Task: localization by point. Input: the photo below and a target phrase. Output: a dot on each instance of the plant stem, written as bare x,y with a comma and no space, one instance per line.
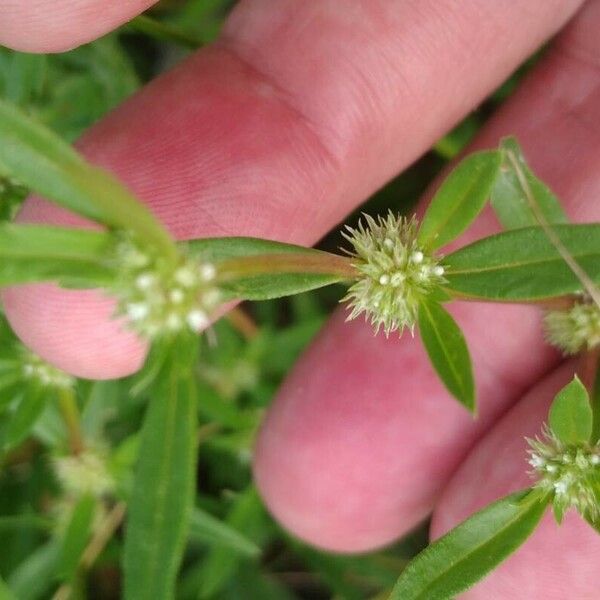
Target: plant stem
272,264
587,283
70,413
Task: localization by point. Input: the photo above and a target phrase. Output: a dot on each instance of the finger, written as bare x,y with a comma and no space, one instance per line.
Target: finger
362,436
296,115
59,25
557,562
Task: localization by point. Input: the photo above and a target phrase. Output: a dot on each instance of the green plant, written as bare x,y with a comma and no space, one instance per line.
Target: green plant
167,291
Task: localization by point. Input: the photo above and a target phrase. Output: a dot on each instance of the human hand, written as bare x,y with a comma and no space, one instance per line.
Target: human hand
291,120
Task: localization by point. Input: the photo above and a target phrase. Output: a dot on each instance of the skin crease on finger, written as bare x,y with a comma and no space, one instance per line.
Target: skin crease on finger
59,25
557,562
246,138
362,437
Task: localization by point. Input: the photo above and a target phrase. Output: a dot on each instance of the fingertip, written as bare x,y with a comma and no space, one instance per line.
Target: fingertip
73,330
48,26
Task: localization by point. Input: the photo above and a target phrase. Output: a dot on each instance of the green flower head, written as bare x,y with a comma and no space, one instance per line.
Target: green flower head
571,473
575,329
396,272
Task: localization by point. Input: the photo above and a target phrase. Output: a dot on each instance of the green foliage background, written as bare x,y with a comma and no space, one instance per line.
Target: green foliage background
235,549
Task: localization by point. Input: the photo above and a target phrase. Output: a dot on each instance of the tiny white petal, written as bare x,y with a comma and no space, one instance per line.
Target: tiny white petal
417,257
551,468
197,319
137,311
384,279
595,459
207,272
438,270
388,243
561,487
145,281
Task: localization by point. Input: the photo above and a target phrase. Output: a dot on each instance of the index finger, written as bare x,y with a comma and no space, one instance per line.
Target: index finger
59,25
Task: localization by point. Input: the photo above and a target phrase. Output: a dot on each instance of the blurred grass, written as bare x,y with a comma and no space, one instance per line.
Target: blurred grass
238,374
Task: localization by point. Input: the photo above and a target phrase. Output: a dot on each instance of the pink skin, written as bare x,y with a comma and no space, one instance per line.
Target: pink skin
292,119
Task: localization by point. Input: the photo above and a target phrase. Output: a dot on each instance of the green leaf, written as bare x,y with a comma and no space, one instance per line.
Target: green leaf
595,403
162,499
207,529
76,537
248,517
36,157
34,576
5,593
448,352
460,198
30,253
570,416
522,265
255,280
463,556
508,198
21,423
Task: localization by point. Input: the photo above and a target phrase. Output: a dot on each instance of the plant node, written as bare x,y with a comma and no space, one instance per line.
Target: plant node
396,272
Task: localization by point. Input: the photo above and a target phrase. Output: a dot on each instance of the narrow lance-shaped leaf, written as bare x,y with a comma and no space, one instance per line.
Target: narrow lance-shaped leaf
28,410
5,593
207,529
31,253
256,269
467,553
32,579
509,200
162,500
460,198
76,537
38,158
570,416
247,516
522,265
448,352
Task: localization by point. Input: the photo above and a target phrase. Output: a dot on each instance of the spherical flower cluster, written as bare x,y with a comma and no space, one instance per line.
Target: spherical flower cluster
575,329
570,473
158,298
36,369
84,473
396,272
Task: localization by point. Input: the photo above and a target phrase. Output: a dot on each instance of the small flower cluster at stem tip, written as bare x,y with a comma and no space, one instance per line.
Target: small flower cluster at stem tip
86,473
570,472
575,329
397,274
158,298
37,370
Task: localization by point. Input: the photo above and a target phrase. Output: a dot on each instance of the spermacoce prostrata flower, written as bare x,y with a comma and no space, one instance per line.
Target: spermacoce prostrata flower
158,299
575,329
396,272
570,473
